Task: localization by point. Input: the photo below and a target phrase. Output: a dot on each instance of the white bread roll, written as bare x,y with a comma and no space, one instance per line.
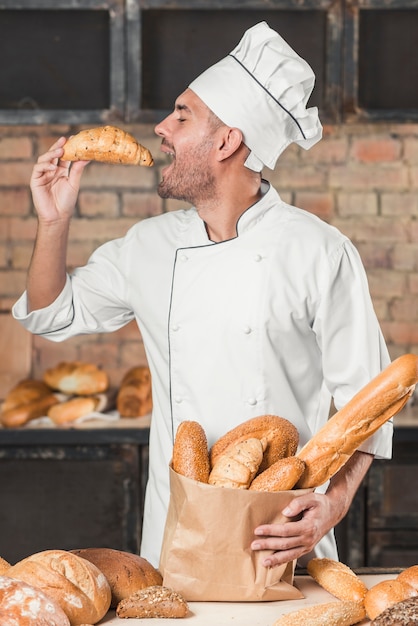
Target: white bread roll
77,585
385,594
409,576
76,378
338,579
24,605
346,430
125,572
327,614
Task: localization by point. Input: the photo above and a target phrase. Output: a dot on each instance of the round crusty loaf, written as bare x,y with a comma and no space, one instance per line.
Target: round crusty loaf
124,571
328,614
409,576
404,613
134,398
190,451
72,409
76,378
156,601
77,585
4,566
281,435
24,605
281,476
338,579
386,594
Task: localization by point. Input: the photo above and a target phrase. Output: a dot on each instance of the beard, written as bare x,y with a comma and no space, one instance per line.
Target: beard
189,177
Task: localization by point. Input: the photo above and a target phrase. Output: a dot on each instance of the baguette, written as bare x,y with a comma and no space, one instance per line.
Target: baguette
72,409
190,452
238,465
338,579
134,398
368,410
107,144
281,436
281,476
327,614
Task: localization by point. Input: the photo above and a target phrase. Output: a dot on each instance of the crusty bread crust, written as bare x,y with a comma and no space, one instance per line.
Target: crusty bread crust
281,435
156,601
383,397
26,605
134,398
328,614
338,579
125,572
24,413
385,594
107,144
281,476
72,409
238,465
77,377
190,451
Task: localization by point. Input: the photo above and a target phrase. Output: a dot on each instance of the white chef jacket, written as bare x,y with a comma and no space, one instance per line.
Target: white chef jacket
274,321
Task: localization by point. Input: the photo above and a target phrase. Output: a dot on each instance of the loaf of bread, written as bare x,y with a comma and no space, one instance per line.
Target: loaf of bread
409,576
338,579
78,586
73,409
25,392
134,398
24,413
385,594
346,430
238,465
404,613
125,572
25,605
190,451
76,378
281,476
108,144
4,566
326,614
281,435
155,601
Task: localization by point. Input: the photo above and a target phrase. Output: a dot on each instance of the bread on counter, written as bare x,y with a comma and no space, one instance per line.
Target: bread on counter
124,571
338,579
134,398
25,605
74,583
156,601
76,378
404,613
327,614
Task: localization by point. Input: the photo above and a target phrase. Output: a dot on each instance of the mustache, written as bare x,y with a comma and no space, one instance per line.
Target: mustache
168,145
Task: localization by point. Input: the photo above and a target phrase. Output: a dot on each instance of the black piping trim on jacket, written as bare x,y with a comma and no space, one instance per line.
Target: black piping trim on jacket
270,94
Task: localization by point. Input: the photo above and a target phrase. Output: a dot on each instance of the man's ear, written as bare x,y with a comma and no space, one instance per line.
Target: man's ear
230,140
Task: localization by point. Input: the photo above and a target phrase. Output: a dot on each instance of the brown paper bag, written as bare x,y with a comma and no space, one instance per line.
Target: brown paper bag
206,554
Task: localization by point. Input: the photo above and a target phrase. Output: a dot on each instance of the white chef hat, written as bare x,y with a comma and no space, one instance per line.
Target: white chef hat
262,88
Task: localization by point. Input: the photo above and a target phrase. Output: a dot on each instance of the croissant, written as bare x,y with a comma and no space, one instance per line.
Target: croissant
237,466
107,144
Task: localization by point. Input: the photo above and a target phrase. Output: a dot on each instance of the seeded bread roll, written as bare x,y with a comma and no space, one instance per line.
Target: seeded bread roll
77,585
190,452
281,435
327,614
125,572
386,594
383,397
156,601
281,476
108,144
404,613
76,378
25,605
338,579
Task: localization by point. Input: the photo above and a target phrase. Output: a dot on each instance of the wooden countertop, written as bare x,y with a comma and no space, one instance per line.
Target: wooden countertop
249,613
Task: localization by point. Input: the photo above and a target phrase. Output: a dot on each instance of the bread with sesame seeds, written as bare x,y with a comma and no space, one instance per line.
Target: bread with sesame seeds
190,452
156,601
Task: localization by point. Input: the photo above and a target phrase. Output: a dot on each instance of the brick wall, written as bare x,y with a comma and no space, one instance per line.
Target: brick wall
361,178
